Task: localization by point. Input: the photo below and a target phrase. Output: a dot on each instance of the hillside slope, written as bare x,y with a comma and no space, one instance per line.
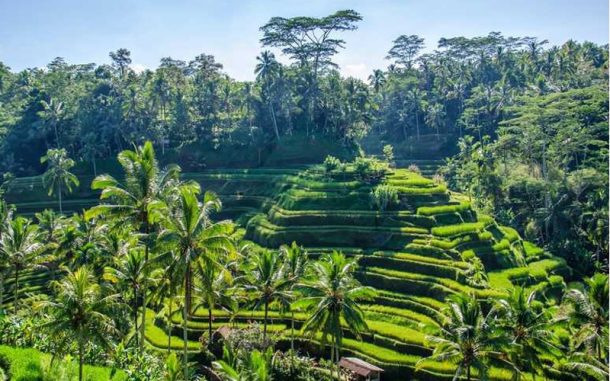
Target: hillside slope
425,249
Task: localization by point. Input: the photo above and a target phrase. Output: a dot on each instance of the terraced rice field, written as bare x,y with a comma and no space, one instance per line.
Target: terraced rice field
415,256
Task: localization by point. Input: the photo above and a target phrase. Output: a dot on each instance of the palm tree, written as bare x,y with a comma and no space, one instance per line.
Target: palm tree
414,104
49,223
528,330
130,273
587,312
167,289
435,115
266,69
587,366
52,114
58,175
80,312
214,282
295,262
377,80
332,296
193,235
133,200
266,282
19,247
466,338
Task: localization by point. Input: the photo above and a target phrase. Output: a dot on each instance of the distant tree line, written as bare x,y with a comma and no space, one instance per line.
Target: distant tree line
464,87
529,119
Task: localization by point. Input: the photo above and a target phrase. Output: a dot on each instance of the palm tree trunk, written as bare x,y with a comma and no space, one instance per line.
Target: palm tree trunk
291,331
94,165
277,132
334,348
16,292
265,322
188,289
184,329
135,318
144,286
169,327
468,373
61,211
81,355
417,123
209,325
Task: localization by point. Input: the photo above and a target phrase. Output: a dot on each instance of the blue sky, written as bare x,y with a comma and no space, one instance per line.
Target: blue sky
33,32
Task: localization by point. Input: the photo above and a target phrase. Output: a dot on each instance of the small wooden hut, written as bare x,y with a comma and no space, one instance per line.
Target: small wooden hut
362,369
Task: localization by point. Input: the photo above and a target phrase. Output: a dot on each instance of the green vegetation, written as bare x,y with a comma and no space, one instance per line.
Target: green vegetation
30,364
296,223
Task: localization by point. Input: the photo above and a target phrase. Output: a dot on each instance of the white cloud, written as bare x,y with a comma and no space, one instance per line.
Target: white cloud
138,68
360,71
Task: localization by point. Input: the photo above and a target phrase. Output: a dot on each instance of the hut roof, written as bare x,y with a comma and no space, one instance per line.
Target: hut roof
359,366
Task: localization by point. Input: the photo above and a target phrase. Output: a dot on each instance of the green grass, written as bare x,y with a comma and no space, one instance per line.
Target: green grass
27,364
453,230
156,337
442,209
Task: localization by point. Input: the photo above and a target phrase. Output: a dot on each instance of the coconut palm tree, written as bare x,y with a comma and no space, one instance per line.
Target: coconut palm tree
133,200
214,283
527,327
467,338
296,262
332,297
266,70
587,366
129,273
19,247
80,312
189,229
167,289
49,223
58,176
266,282
587,313
435,117
377,80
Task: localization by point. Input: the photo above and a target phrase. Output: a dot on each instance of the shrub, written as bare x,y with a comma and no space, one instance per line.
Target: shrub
331,163
369,168
388,153
384,197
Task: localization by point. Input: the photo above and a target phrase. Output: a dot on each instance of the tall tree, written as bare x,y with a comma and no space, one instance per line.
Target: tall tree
587,313
58,178
332,297
213,290
528,329
80,312
19,247
190,231
467,338
129,273
266,282
311,42
296,262
405,49
133,200
266,70
121,59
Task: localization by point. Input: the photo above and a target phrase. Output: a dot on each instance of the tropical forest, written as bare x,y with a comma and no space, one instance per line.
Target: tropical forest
443,218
